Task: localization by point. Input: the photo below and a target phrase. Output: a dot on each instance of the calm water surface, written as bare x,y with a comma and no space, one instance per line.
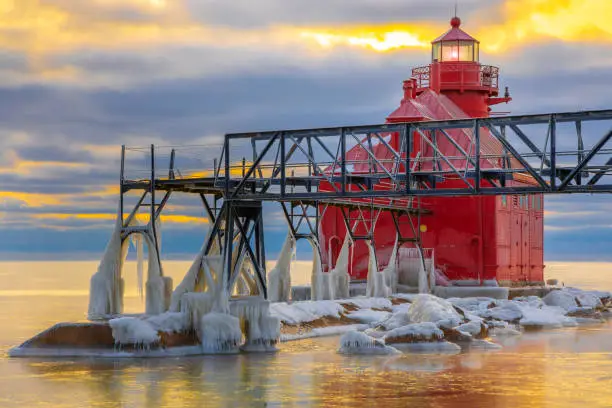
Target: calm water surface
569,367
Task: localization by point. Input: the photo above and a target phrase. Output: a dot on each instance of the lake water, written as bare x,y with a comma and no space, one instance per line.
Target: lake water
567,368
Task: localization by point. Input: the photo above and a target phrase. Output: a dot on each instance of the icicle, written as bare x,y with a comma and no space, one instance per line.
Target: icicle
138,244
279,279
423,286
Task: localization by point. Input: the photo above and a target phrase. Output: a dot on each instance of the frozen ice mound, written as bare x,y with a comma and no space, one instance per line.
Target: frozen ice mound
131,330
355,342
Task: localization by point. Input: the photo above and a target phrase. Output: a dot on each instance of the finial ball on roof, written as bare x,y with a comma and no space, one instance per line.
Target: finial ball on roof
455,22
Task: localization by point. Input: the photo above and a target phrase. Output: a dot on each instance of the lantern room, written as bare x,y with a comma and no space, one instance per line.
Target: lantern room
455,45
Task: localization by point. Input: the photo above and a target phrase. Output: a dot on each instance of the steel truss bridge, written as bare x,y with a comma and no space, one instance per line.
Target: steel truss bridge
363,170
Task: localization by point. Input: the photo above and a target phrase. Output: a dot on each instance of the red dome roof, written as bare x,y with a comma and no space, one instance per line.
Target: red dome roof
455,33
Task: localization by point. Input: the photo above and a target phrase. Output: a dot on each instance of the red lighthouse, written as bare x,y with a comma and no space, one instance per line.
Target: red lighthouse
475,239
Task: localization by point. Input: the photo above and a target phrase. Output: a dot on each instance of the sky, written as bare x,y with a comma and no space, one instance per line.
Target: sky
79,78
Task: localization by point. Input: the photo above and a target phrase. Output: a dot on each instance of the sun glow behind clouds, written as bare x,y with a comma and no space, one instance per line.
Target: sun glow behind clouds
375,38
523,22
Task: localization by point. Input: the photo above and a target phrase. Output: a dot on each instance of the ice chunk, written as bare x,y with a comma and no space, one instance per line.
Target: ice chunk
473,328
360,343
561,298
507,311
220,333
429,308
415,333
131,330
547,318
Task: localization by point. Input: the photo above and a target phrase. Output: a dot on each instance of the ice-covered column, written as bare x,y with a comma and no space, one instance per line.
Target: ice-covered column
106,285
279,279
321,282
390,271
376,285
340,275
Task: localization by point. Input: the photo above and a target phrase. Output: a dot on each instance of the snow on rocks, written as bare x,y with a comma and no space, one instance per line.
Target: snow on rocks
369,316
415,333
133,331
307,311
355,342
369,303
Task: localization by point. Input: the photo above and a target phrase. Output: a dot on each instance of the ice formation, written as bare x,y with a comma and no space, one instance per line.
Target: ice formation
133,331
369,303
169,322
220,333
279,279
262,329
106,285
415,333
194,305
355,342
340,274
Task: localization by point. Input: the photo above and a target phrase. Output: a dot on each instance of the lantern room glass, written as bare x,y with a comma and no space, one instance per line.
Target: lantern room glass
460,51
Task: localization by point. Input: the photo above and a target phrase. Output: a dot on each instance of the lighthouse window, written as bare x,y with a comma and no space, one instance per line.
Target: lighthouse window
455,51
450,51
466,51
504,201
436,52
